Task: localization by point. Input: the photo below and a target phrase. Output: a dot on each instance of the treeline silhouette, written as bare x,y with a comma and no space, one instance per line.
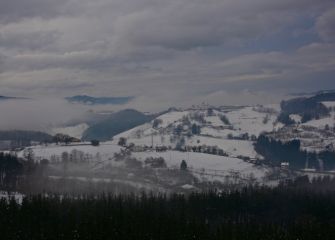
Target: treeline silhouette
11,168
294,210
276,151
307,107
25,136
302,208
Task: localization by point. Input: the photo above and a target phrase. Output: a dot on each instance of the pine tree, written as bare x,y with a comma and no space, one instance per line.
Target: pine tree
183,165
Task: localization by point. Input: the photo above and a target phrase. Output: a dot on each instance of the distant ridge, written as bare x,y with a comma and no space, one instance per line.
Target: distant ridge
3,98
116,123
89,100
312,93
24,135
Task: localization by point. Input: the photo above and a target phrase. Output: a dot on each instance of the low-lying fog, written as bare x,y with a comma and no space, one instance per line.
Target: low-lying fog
37,114
43,113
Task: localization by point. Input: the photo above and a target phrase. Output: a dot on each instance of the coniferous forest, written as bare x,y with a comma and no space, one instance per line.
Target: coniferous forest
302,208
293,210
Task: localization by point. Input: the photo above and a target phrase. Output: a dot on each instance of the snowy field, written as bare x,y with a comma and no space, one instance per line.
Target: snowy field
206,162
248,120
321,123
329,104
173,158
232,147
172,117
105,150
213,166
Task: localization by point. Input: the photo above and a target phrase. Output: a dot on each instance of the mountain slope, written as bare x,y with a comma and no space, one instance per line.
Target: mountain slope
307,108
228,131
115,124
18,135
4,98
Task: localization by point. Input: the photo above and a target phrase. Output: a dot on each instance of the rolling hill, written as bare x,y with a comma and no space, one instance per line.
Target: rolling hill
114,124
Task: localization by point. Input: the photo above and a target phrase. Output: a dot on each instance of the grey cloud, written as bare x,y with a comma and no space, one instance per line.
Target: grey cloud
315,57
180,25
16,10
190,24
69,60
2,62
135,47
28,40
326,25
181,72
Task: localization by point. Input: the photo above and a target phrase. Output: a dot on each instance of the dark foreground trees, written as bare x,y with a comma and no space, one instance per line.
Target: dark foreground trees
262,213
10,170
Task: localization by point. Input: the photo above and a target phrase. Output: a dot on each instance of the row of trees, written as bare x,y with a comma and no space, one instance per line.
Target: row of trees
276,151
307,108
253,213
10,170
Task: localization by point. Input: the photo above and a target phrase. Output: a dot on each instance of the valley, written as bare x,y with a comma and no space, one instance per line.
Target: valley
228,146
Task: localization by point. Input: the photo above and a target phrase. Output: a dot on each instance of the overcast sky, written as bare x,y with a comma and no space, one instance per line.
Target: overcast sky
165,49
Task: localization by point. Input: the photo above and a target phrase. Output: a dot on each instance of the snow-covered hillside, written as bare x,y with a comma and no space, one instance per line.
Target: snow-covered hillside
112,163
315,135
105,150
253,120
322,122
217,144
209,165
232,130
